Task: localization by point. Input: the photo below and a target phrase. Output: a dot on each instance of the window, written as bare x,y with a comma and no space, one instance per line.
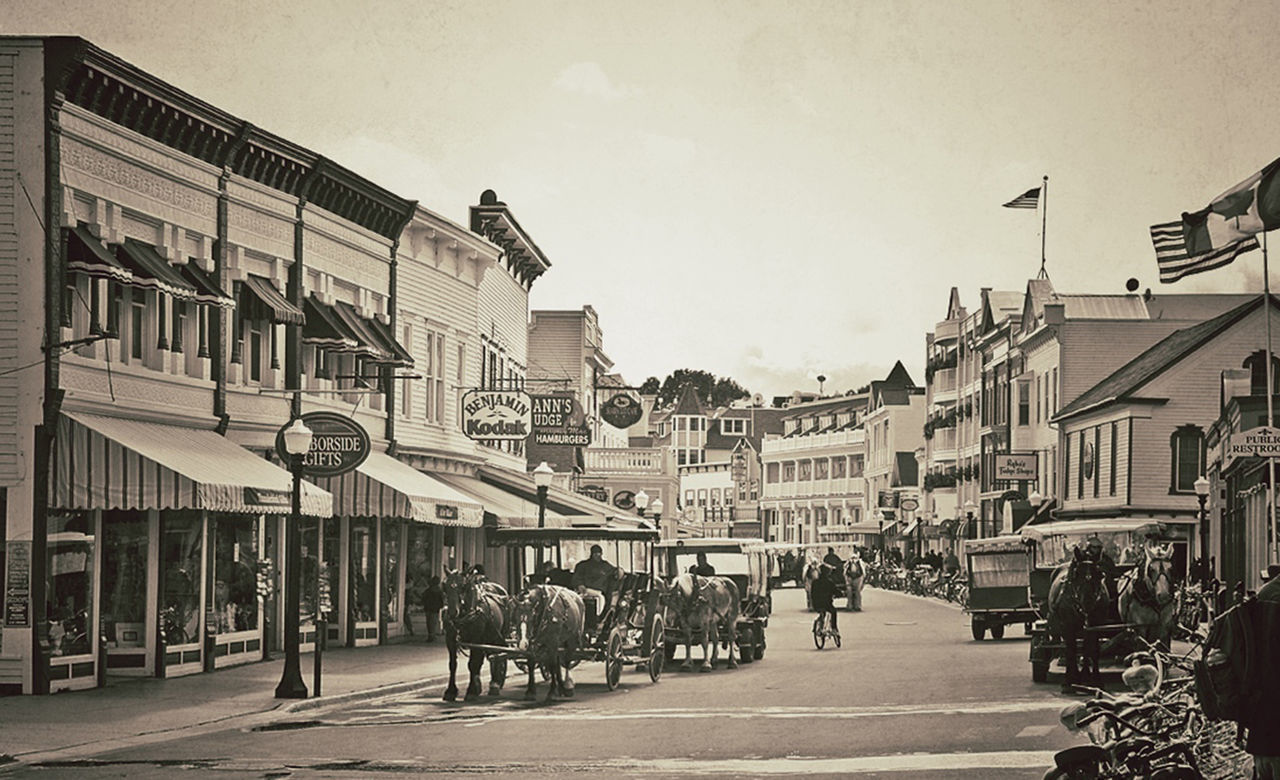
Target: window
855,465
1066,466
255,351
462,376
838,468
736,427
820,468
1039,403
433,378
1056,393
138,312
1115,431
688,498
1024,403
1080,469
439,378
806,470
1187,455
406,388
715,496
1097,469
681,458
789,472
771,473
702,496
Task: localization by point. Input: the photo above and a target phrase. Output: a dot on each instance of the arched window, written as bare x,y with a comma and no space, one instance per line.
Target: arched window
1257,365
1186,447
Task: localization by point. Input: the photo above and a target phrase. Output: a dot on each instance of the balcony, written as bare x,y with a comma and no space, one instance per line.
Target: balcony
844,487
946,330
630,460
943,386
832,440
943,444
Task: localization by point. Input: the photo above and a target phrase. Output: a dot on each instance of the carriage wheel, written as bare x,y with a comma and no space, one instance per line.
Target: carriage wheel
979,628
746,644
657,648
613,659
759,651
997,630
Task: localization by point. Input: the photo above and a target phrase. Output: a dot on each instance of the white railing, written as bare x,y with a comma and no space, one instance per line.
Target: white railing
847,486
944,381
944,440
851,438
633,460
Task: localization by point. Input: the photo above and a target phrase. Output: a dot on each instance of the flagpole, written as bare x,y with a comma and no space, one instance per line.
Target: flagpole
1044,214
1271,413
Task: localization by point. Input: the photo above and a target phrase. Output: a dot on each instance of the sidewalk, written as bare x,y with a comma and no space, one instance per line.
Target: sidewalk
133,710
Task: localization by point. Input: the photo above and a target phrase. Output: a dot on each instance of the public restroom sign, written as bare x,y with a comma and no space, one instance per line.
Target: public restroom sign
497,415
1262,442
338,444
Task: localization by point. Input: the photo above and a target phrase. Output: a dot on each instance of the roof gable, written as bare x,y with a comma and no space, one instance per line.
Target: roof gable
688,404
954,310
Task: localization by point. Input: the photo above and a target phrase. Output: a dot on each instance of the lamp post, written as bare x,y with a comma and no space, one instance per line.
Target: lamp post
297,441
656,512
970,509
542,479
1202,495
642,501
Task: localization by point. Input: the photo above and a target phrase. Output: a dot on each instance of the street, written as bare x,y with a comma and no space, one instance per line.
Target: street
910,694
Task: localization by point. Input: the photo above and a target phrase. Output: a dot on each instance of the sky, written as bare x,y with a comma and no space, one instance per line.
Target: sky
770,191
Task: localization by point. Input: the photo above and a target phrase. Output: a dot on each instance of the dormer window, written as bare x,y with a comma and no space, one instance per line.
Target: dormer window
733,427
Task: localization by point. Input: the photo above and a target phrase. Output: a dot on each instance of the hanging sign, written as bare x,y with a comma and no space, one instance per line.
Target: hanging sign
338,444
559,420
909,504
621,411
496,415
1015,468
624,499
1260,442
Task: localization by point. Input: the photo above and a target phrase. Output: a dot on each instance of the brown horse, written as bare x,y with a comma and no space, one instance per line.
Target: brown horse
1146,595
1077,600
700,605
549,623
476,611
855,572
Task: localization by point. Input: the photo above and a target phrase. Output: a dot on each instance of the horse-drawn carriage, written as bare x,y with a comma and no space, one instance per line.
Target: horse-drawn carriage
547,625
1104,602
999,570
745,564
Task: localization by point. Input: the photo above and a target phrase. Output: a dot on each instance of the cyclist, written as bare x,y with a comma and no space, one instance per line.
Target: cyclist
824,591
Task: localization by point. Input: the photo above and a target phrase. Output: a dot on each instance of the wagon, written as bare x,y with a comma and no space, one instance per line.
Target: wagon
1052,545
999,584
747,563
628,628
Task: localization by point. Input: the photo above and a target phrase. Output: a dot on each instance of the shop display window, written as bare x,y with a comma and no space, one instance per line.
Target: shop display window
124,578
418,559
235,579
310,531
391,571
332,557
181,562
363,573
70,594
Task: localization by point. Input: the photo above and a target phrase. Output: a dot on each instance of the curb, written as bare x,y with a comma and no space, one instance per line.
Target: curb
368,694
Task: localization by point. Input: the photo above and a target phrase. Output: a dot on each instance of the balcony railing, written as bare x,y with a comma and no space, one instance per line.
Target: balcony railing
849,438
631,460
845,486
944,381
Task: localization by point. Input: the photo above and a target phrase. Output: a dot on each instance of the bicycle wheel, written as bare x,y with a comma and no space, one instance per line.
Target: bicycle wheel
819,636
836,636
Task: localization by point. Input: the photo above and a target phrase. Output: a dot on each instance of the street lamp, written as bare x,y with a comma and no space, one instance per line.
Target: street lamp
1035,498
657,511
642,501
970,509
1202,495
542,479
297,441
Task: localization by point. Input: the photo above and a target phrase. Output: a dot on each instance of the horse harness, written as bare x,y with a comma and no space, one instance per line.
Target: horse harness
543,616
1142,589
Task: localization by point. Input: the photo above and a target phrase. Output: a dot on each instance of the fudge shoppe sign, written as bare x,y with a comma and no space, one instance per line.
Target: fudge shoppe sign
497,415
558,420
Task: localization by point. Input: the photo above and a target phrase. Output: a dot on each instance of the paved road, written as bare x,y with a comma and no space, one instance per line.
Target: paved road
910,694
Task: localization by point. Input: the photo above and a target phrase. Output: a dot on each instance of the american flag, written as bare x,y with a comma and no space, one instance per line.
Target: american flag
1170,242
1027,200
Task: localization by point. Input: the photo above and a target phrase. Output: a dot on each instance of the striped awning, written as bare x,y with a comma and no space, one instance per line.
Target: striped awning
114,463
86,254
385,487
149,269
282,312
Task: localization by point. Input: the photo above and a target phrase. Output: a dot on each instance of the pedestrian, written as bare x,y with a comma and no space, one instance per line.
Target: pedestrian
432,603
1264,727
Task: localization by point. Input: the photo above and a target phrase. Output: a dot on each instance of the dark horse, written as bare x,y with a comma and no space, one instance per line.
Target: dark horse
476,611
1077,600
549,622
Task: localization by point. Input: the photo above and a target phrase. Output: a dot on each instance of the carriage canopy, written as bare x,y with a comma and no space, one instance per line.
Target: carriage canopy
1122,538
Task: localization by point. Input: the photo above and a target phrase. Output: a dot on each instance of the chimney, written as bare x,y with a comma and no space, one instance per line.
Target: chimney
1055,313
1236,382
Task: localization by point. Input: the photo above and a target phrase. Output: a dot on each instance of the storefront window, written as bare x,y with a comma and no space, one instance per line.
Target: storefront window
418,559
70,597
181,553
391,571
124,578
310,531
235,579
363,571
332,558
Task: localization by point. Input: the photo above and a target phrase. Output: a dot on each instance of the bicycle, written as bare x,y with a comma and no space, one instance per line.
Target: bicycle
822,629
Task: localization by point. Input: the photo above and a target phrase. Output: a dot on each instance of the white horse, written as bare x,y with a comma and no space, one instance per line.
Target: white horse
1146,595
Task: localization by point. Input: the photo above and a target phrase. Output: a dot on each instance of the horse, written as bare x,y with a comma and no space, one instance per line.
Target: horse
700,605
1146,595
855,572
549,623
1077,600
476,611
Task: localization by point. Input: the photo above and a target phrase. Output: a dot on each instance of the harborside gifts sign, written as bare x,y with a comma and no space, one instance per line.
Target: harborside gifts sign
1260,442
338,445
496,415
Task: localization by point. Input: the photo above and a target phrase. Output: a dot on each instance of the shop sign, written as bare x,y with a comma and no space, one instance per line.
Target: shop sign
621,411
909,504
446,512
1262,442
496,415
266,497
1014,468
594,491
624,499
338,444
888,499
17,585
559,420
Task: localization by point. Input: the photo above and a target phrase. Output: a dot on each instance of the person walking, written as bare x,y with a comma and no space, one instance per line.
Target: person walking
432,603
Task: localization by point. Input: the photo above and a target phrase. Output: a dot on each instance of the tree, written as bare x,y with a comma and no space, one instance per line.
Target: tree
650,386
727,391
712,391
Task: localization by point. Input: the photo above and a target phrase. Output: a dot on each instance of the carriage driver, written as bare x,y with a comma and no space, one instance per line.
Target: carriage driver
595,578
1093,551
